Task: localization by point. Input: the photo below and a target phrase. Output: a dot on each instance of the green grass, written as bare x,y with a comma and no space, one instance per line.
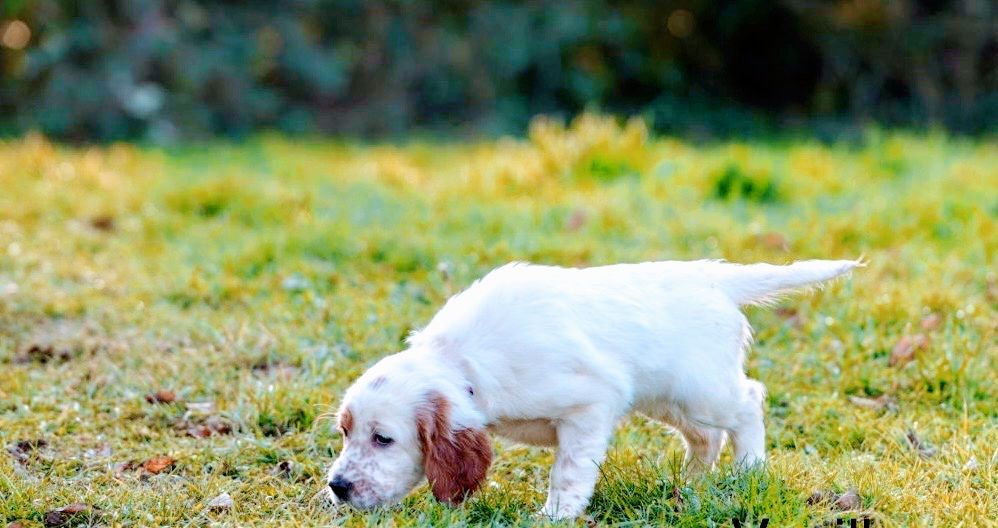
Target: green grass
264,277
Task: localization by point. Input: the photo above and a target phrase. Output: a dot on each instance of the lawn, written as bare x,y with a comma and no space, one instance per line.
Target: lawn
177,323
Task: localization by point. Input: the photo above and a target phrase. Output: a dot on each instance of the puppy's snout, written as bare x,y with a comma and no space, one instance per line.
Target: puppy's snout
341,488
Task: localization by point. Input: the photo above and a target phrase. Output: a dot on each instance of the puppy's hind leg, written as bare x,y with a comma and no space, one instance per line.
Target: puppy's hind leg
703,447
703,443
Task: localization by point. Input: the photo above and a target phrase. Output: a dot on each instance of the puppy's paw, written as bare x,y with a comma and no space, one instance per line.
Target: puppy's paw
561,512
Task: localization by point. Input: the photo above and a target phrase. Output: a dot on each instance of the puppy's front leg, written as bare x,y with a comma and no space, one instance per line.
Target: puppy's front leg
582,442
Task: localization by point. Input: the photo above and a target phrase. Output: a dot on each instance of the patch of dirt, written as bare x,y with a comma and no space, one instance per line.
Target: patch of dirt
23,450
880,403
61,340
204,427
279,369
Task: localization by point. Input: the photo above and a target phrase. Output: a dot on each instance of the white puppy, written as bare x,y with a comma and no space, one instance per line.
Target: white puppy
556,357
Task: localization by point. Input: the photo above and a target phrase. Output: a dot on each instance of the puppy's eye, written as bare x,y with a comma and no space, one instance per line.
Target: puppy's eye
382,440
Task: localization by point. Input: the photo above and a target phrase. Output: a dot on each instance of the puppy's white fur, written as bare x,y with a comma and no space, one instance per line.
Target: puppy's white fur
555,356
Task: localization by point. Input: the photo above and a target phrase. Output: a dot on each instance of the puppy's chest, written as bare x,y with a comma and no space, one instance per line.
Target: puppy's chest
538,431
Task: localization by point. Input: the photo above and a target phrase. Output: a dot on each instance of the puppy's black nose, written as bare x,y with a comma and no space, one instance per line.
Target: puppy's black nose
341,488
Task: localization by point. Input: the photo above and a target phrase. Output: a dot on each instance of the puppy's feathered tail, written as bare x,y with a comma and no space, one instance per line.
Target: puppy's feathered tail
762,283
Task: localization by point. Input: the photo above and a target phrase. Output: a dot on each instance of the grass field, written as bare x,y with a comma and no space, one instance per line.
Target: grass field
249,284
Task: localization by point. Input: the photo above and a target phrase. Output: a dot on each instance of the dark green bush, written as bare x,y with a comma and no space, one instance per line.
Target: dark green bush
177,69
735,183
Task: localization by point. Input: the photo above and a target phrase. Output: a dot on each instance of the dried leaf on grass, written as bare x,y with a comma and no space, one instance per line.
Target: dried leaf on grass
104,223
66,514
159,464
221,503
846,501
906,348
880,403
774,240
161,396
577,220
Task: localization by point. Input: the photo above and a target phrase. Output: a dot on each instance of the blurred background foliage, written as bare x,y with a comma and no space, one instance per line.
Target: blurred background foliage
174,70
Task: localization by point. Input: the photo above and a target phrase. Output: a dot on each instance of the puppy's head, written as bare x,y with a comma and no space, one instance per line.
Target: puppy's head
400,422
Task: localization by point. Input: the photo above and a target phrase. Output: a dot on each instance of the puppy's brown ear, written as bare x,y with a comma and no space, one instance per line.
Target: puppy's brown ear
455,461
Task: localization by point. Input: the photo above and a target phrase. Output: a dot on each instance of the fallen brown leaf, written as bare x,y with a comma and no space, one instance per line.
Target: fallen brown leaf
16,524
159,464
850,500
102,222
161,396
577,220
931,322
198,431
924,449
65,514
218,425
875,404
774,240
905,349
790,315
